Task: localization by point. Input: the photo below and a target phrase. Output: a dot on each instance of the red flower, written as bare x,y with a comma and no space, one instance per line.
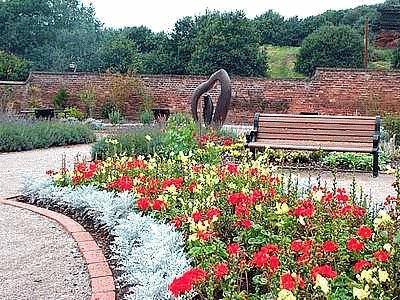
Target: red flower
192,186
246,223
325,271
364,232
233,249
158,204
227,142
236,198
355,245
213,212
204,235
221,270
361,264
305,209
296,245
263,259
274,263
197,216
242,211
177,222
143,203
233,168
186,281
124,183
381,255
287,282
329,246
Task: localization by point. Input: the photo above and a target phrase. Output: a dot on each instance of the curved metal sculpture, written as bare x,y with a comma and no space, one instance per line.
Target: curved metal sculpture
224,99
208,110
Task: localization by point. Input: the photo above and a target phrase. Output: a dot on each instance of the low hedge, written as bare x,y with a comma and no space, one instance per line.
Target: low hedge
20,135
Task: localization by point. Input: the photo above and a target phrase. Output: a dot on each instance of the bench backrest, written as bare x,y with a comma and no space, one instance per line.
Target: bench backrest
350,131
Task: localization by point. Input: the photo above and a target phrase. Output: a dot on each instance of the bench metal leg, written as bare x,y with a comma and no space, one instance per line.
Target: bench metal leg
375,167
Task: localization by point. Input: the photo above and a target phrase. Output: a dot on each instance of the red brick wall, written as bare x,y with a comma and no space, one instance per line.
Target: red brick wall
330,91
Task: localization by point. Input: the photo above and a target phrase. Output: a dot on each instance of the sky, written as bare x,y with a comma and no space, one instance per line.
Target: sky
161,15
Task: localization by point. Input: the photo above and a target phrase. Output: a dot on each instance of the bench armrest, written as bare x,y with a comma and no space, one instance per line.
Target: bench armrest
251,136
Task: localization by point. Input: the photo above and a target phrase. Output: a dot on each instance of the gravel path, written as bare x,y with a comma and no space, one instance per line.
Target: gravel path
378,187
15,166
38,260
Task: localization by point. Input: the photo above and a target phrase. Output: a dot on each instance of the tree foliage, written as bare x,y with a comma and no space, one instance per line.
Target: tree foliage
227,40
119,54
50,33
330,46
13,67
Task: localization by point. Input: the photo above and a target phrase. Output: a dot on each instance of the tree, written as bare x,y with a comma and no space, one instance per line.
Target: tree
269,26
13,67
50,33
229,41
119,54
330,46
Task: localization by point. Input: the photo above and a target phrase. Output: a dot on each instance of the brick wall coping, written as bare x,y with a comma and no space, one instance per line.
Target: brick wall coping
101,279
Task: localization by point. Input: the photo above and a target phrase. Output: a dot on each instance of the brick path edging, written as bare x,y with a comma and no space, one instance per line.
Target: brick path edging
101,279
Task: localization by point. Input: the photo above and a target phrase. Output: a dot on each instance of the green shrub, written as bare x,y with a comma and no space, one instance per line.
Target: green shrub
73,112
178,135
140,142
60,99
348,160
115,117
88,98
16,135
330,46
391,123
146,117
108,107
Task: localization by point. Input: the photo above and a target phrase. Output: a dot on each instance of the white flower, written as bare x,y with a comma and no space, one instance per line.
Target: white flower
148,138
361,293
323,283
286,295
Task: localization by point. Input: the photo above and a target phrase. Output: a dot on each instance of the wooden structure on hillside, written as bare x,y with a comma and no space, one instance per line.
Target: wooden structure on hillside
389,27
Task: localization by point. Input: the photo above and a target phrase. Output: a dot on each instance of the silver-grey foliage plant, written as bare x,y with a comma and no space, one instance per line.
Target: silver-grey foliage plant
149,254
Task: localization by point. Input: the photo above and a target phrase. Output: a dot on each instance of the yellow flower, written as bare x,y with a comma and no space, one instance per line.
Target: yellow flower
258,207
193,237
361,293
366,275
286,295
383,276
57,177
281,208
323,283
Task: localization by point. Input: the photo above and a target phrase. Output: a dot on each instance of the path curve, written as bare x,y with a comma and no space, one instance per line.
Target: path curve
38,260
15,166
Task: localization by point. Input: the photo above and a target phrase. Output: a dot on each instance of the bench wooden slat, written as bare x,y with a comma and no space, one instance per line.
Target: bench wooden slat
308,131
317,120
318,116
340,147
299,137
316,126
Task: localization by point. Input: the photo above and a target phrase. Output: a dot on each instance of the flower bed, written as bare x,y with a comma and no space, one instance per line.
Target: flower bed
249,233
19,135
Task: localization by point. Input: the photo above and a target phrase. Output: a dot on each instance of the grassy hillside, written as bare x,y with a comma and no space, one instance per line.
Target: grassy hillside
282,59
281,62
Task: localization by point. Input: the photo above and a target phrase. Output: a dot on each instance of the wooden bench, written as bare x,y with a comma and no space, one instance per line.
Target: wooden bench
317,132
